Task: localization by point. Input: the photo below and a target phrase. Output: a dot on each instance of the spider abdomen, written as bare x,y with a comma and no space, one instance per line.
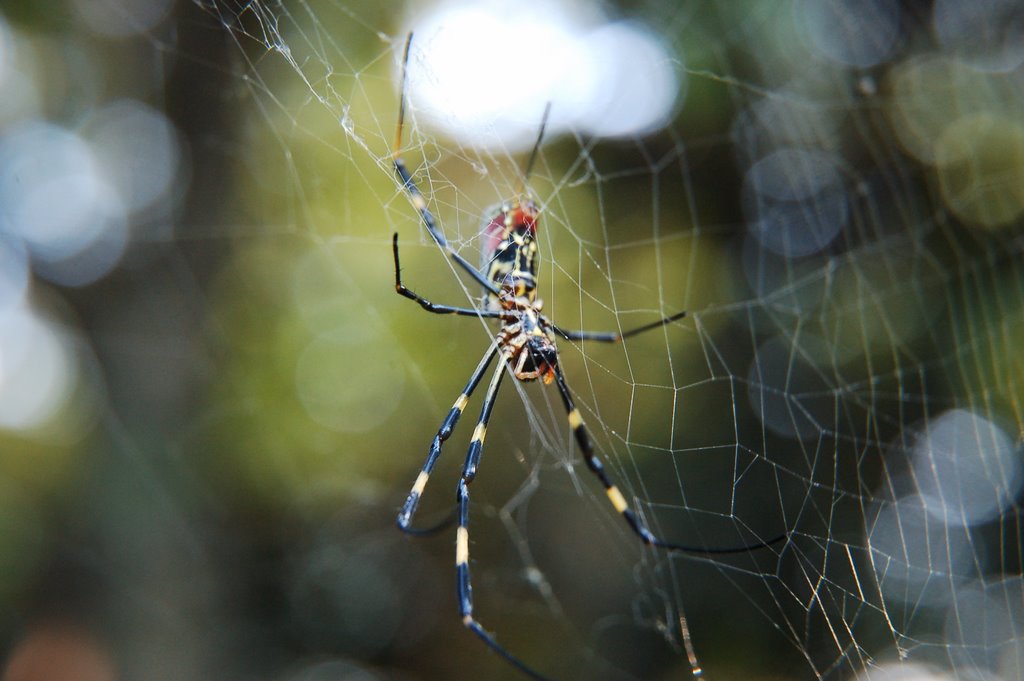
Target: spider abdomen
509,249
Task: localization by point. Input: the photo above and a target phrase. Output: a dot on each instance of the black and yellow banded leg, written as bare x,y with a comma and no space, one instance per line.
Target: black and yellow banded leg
418,202
405,516
614,336
426,304
616,497
464,584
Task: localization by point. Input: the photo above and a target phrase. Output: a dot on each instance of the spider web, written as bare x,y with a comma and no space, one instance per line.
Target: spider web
836,203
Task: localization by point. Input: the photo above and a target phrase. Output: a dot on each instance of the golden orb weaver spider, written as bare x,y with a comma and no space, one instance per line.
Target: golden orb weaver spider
526,344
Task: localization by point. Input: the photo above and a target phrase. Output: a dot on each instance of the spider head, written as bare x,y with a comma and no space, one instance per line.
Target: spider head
521,216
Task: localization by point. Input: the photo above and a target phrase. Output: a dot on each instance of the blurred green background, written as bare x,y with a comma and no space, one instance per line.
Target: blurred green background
208,428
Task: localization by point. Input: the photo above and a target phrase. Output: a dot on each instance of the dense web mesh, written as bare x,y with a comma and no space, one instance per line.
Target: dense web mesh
836,203
833,191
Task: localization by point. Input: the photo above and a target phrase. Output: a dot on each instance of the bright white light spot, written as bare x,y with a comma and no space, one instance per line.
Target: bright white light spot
795,201
37,371
859,33
54,198
121,18
917,559
485,71
636,84
987,34
966,468
138,150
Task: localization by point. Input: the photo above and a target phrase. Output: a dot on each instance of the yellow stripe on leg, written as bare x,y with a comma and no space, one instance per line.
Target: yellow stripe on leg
418,202
618,501
461,546
575,420
479,433
461,403
421,482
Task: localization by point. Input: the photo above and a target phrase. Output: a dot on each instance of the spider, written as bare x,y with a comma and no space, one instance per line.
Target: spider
525,345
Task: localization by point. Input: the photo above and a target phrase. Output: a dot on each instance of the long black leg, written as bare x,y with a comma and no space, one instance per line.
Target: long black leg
418,202
613,336
464,584
426,304
405,516
579,429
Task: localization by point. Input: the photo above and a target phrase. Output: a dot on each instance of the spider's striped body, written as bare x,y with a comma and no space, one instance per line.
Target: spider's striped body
509,259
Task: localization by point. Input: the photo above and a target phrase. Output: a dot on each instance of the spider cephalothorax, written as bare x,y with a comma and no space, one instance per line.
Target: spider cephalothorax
527,337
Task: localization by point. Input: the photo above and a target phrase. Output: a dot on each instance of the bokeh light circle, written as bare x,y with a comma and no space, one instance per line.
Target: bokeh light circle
987,34
795,201
37,371
347,395
980,161
918,559
54,197
858,33
967,468
606,78
137,148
